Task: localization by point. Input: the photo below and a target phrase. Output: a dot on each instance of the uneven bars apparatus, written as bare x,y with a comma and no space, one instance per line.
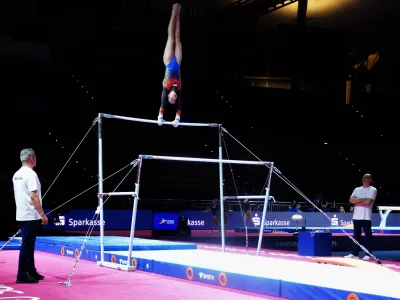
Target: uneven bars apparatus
220,160
101,194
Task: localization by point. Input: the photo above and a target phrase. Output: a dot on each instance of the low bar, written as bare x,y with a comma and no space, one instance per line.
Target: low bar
115,266
108,116
247,197
207,160
388,207
117,194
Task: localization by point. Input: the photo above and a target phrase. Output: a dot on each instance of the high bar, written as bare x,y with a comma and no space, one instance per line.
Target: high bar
156,122
117,194
206,160
247,197
388,207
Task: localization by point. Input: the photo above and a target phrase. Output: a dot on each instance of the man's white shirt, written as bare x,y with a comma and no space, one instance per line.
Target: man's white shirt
364,212
25,180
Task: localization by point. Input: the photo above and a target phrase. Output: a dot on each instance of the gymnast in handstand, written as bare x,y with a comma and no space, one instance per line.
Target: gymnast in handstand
172,85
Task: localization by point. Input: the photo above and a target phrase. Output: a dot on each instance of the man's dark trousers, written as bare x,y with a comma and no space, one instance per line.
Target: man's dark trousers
360,225
29,231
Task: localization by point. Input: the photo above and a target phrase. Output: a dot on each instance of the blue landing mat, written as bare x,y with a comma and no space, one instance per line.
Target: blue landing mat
394,230
262,275
113,243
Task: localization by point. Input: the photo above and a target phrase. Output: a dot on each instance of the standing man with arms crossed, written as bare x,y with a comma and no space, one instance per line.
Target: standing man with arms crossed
172,84
28,200
363,199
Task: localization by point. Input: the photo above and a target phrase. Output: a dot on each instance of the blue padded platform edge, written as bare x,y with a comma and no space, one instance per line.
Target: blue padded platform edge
265,286
13,245
117,243
253,284
293,290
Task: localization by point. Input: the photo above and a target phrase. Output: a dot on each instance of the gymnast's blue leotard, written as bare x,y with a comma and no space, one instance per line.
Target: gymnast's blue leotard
172,75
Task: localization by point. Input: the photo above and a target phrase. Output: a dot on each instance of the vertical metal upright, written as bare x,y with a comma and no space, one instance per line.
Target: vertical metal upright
134,211
221,190
271,170
100,177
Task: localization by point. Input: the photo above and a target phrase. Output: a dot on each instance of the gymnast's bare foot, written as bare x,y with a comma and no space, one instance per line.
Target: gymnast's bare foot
176,8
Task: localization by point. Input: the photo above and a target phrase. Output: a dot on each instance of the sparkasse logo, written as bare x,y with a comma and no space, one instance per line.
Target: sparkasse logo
257,222
74,223
85,222
61,221
206,276
196,222
334,221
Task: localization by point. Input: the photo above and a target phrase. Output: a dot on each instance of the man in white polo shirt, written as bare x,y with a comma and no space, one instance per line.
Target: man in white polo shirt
28,200
363,199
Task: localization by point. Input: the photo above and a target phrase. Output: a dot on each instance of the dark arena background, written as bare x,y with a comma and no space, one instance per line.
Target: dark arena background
310,85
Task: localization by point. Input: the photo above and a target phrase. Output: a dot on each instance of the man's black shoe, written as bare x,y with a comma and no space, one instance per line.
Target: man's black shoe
37,276
26,278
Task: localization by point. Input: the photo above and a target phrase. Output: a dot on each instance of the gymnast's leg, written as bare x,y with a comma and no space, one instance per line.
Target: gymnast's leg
215,222
248,214
178,44
170,47
178,56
